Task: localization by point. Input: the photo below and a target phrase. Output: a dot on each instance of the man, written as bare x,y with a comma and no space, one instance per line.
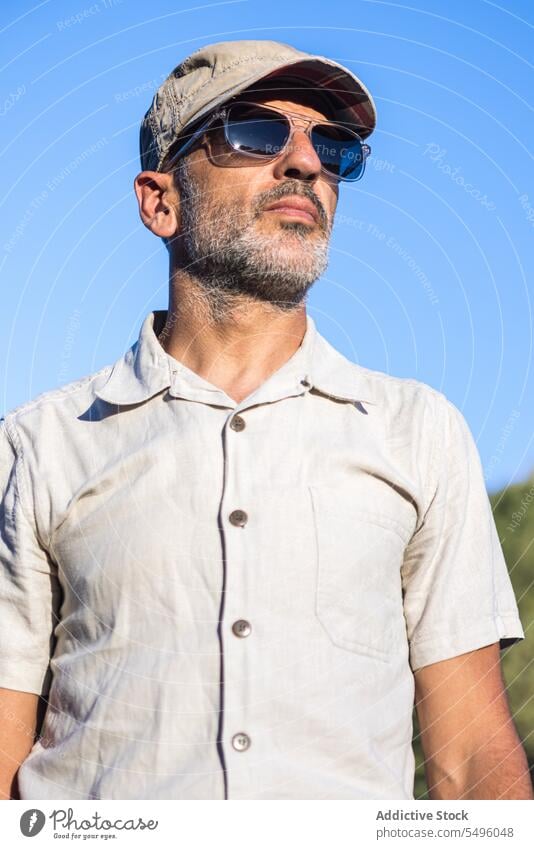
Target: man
231,560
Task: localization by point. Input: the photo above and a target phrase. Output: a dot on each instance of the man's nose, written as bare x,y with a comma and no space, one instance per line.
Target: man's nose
299,160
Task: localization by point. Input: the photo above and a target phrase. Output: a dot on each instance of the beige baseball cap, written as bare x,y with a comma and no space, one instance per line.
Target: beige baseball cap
217,72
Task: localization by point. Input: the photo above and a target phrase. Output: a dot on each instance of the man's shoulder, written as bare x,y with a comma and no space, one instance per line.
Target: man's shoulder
409,408
386,391
334,370
384,382
68,400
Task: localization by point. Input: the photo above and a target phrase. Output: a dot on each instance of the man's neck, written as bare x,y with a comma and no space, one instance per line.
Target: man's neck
235,346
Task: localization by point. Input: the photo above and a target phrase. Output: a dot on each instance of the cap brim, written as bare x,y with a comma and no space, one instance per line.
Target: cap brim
351,102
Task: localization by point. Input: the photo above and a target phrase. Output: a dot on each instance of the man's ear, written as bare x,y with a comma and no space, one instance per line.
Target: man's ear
159,202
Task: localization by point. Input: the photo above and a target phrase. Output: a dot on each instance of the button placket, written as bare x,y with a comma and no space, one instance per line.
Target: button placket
238,529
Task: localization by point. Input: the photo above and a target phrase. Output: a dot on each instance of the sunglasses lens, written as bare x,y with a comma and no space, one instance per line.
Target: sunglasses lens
339,150
251,129
264,132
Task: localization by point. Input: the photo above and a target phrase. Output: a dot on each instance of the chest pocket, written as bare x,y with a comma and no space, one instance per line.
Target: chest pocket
360,550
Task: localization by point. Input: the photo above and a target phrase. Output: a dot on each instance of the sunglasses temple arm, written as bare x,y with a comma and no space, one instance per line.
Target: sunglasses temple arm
192,139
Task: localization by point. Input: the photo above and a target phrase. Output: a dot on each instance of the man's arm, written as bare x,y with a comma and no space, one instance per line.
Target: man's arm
18,724
471,746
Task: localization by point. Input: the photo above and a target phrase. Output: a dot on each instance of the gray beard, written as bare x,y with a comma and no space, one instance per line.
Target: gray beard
229,258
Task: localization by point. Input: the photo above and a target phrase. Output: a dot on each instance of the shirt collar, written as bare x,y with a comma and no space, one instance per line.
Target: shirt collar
146,369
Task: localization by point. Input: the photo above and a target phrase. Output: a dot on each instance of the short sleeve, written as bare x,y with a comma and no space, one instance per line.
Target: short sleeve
29,591
456,588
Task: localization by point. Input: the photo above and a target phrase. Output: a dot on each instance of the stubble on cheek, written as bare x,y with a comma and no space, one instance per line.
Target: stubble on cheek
232,247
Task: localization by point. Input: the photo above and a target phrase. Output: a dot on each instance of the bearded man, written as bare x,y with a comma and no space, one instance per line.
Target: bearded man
232,561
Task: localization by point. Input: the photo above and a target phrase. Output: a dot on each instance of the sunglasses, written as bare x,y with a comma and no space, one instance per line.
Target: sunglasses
264,132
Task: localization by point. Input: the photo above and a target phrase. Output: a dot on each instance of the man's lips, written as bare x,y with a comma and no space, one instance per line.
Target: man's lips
297,207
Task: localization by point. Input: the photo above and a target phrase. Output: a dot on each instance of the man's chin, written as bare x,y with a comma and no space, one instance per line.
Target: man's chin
280,227
290,246
287,255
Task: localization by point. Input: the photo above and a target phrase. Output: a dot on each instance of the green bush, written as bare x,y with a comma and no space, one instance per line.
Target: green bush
513,509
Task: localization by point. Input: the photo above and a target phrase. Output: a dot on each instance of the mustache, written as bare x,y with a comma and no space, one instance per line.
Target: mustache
292,188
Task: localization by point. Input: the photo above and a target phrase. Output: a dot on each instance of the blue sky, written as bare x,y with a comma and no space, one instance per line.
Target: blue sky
431,263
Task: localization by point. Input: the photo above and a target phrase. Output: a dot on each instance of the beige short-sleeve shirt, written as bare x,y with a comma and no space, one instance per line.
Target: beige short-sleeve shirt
228,601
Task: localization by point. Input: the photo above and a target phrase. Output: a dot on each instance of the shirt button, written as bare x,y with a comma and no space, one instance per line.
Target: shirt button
241,741
241,628
238,423
238,518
